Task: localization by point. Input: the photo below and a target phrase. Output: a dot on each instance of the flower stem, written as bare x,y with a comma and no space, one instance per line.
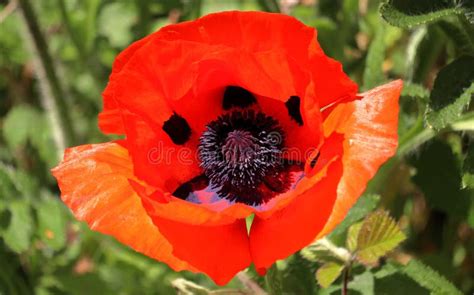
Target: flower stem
345,280
52,93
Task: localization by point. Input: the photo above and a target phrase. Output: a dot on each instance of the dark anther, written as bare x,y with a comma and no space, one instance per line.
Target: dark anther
241,154
197,183
293,106
314,160
235,96
177,129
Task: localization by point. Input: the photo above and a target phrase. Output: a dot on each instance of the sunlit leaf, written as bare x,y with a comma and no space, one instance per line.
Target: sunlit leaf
328,273
324,250
362,207
352,236
378,235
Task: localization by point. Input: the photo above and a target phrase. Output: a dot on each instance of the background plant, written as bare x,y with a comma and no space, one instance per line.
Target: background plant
55,57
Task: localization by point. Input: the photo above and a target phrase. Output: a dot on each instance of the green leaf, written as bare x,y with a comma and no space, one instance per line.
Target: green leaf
363,283
373,73
414,43
364,205
17,125
298,276
18,234
452,92
429,278
26,124
468,9
378,235
438,177
117,29
468,166
328,273
51,223
460,38
406,14
324,250
352,235
415,90
273,280
390,281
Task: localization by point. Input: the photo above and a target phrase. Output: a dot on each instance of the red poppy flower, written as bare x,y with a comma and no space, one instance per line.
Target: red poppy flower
236,113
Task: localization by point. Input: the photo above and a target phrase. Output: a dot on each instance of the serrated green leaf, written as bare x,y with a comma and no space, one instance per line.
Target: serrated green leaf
298,276
328,273
429,278
452,92
362,207
352,235
51,223
373,73
415,90
406,14
378,235
273,280
18,234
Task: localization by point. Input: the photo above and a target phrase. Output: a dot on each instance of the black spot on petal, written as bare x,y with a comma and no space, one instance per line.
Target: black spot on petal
314,160
177,129
197,183
235,96
293,106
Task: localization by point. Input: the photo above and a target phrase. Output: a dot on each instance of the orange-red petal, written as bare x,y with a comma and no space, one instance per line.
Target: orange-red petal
370,127
296,225
94,184
219,251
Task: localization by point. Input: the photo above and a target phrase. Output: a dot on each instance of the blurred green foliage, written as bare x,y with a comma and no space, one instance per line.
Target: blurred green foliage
428,185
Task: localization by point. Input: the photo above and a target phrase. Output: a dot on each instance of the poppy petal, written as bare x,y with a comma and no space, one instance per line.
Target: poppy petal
296,225
156,158
110,120
94,184
262,32
219,251
191,67
370,129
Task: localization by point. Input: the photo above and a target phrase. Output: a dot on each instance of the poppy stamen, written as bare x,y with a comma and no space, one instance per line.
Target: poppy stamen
241,154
